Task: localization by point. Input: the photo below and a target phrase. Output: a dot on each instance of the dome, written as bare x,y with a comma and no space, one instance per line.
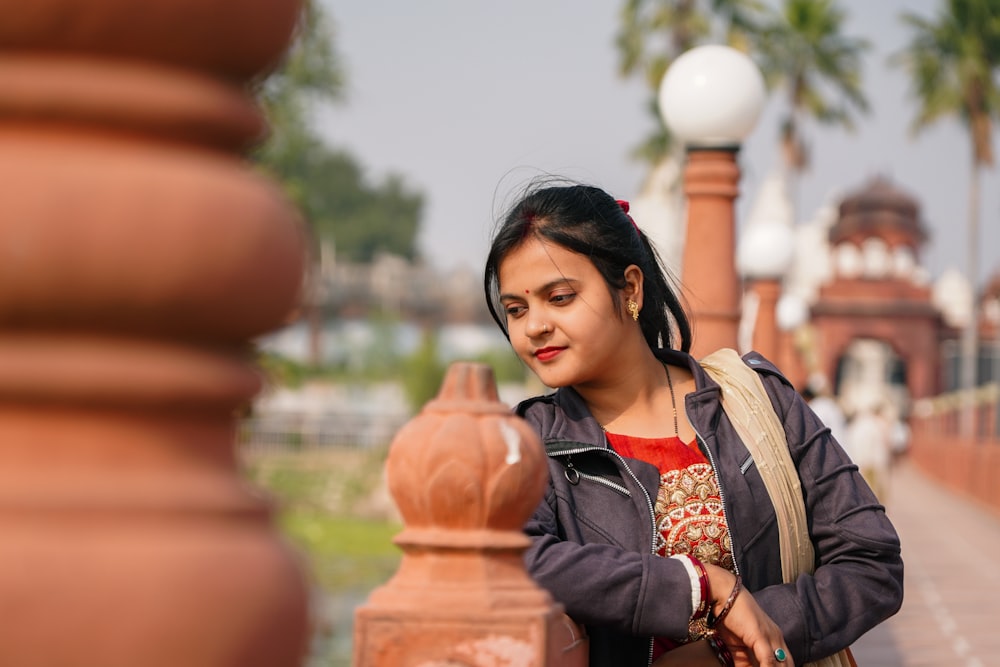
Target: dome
880,209
767,245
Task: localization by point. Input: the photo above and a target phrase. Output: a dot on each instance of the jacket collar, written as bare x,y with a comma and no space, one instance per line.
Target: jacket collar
565,423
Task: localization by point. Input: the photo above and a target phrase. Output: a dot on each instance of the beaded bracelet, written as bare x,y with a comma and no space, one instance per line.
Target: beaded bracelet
720,650
713,618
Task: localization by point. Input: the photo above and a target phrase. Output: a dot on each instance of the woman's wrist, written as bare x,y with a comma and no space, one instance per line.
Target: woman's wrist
724,587
715,617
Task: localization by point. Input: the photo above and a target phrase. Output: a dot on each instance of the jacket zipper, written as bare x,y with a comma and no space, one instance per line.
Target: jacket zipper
722,494
617,487
606,482
649,506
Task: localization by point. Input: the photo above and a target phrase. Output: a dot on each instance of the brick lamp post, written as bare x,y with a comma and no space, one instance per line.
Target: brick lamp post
797,354
764,255
711,98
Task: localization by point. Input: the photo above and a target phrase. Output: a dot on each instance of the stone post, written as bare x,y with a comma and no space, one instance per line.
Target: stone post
708,275
790,360
139,255
766,334
466,474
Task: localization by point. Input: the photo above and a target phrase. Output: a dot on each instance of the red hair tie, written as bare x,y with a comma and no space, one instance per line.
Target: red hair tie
624,205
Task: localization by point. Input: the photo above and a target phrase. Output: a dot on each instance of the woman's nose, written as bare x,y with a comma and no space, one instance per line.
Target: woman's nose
536,327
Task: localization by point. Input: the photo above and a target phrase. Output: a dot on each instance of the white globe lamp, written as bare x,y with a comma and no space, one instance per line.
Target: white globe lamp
793,311
712,96
766,251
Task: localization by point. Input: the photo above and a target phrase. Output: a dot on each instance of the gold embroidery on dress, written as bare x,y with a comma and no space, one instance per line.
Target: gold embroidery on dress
689,516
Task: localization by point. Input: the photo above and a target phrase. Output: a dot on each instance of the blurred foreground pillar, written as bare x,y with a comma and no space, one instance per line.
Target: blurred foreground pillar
139,254
466,474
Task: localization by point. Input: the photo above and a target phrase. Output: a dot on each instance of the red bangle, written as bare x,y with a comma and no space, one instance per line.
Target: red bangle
714,619
705,606
722,653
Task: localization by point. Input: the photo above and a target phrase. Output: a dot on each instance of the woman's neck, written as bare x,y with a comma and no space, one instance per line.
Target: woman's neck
640,388
646,401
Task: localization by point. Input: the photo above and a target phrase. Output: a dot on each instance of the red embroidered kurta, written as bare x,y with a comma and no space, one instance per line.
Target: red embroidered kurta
688,506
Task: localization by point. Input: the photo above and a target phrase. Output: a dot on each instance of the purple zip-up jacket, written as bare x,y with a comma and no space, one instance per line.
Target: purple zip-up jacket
592,534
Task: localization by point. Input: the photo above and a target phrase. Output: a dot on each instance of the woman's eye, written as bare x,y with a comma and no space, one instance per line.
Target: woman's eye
562,299
514,311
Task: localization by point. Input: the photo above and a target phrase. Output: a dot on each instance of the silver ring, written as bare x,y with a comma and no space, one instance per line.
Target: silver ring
780,655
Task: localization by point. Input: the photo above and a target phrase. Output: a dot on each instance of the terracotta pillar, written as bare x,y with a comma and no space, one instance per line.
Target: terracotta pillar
709,278
766,335
790,359
466,474
991,421
139,255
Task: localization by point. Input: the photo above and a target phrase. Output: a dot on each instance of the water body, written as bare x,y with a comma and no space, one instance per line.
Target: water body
350,340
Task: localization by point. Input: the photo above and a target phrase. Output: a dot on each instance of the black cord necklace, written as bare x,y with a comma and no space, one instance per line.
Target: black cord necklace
673,400
673,403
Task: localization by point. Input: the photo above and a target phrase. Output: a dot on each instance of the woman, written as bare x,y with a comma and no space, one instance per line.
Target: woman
655,513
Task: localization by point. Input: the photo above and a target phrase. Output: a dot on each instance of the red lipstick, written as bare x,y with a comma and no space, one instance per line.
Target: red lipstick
548,353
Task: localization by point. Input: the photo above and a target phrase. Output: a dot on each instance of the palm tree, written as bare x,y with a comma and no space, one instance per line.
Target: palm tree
805,52
951,60
651,35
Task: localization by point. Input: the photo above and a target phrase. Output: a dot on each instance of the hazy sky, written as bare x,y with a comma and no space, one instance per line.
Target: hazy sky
468,100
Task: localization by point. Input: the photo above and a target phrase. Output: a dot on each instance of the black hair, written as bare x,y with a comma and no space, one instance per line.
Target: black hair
587,220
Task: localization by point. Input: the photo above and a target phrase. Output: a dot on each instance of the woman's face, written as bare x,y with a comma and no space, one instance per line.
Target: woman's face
560,316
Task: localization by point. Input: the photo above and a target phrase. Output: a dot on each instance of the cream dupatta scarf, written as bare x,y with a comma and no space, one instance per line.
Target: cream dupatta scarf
749,408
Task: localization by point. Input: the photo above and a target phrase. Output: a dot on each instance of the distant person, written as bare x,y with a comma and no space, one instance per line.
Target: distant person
656,531
827,409
899,437
869,434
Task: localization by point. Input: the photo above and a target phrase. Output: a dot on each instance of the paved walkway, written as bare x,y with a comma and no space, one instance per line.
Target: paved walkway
951,605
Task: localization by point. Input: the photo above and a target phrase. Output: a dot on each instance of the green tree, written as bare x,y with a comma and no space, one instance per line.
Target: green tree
344,211
360,218
653,33
805,52
507,367
423,371
310,74
951,60
329,186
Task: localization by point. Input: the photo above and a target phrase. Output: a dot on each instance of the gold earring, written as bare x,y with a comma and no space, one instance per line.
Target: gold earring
633,309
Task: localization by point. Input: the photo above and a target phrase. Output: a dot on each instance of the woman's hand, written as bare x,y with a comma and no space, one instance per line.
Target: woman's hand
700,654
750,635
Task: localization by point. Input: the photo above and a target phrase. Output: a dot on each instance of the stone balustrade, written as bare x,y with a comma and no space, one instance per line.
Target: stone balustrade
967,465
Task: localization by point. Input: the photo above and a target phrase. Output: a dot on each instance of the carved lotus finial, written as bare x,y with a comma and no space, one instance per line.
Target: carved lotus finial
466,463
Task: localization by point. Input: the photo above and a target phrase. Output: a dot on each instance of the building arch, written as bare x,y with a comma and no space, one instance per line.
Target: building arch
881,303
870,372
